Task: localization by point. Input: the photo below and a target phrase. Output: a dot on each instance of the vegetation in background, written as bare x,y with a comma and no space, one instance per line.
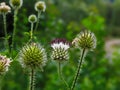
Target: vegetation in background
65,19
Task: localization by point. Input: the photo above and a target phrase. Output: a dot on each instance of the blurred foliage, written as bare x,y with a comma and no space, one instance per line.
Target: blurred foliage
65,19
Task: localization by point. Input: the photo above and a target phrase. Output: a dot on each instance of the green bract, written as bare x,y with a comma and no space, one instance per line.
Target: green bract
32,18
16,3
40,6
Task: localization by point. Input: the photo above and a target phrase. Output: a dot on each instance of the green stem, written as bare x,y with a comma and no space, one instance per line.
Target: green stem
38,19
32,80
61,76
5,31
31,32
14,30
78,70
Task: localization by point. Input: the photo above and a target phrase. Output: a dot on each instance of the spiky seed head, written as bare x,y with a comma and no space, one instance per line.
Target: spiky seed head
4,9
85,40
4,64
16,4
33,56
60,50
40,6
32,18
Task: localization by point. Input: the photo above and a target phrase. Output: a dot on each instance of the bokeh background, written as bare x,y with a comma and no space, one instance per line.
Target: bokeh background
65,19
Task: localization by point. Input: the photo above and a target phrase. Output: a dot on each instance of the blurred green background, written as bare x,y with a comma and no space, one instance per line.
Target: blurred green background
65,19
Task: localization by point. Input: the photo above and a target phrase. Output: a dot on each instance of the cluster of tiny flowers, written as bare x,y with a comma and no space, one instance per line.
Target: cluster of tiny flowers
85,40
33,56
16,4
4,9
60,49
4,64
32,18
40,6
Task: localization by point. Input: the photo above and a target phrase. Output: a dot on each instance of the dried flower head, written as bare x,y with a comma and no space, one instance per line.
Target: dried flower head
60,49
40,6
33,56
4,9
16,4
32,18
85,40
4,64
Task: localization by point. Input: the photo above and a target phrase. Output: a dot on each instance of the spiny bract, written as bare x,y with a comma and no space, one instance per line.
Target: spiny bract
33,56
85,40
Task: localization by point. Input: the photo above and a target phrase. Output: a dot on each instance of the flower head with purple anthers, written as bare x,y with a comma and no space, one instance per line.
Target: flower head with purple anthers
60,49
60,43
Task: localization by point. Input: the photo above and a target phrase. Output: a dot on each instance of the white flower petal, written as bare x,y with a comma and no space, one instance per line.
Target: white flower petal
60,45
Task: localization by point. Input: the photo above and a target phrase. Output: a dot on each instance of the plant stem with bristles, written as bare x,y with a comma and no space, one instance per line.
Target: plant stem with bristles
38,19
6,35
14,30
78,70
61,76
32,80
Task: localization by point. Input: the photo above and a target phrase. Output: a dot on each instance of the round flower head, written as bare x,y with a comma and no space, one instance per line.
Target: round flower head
16,4
33,56
32,18
4,9
4,64
85,40
40,6
60,49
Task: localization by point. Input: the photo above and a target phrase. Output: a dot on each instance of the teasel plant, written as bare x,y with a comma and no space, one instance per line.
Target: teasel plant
86,41
16,5
4,10
32,57
60,55
40,7
4,67
32,19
